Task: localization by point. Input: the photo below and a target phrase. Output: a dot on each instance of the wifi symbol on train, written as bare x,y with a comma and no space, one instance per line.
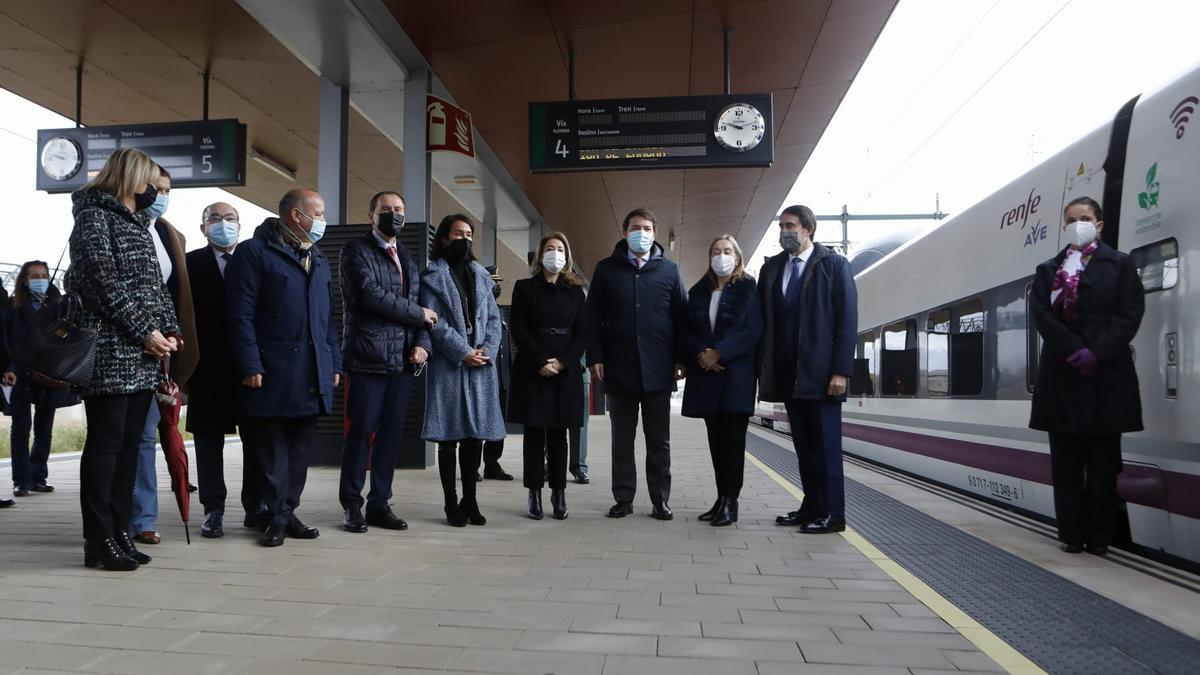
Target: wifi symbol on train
1182,114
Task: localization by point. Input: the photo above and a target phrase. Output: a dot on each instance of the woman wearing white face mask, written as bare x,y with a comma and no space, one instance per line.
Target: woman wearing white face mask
548,325
1087,304
724,323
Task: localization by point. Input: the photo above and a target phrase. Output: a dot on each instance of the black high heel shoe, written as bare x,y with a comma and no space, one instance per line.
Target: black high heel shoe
535,505
558,499
470,508
106,554
708,515
454,515
727,514
126,545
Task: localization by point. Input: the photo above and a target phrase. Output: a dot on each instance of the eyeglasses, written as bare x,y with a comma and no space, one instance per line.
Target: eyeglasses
216,218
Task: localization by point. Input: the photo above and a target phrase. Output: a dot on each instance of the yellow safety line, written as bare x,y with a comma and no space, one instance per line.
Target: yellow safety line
988,642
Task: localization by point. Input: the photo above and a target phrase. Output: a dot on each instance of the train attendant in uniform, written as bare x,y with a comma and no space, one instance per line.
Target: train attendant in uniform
549,327
720,336
810,310
462,409
1087,304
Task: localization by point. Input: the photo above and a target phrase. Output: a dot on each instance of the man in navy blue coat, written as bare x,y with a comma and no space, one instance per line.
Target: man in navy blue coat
285,349
637,304
385,338
810,309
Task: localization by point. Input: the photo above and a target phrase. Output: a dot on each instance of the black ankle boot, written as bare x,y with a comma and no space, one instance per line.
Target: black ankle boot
726,514
470,508
708,515
535,504
126,545
558,499
106,554
454,514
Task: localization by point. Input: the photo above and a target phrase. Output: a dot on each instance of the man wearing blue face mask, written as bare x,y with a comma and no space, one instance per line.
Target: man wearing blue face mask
212,391
169,247
636,304
278,302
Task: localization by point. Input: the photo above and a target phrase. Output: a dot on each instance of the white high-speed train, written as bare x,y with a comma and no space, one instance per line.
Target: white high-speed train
947,355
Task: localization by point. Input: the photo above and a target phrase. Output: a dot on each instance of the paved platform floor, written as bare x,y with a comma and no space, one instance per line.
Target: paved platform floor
585,595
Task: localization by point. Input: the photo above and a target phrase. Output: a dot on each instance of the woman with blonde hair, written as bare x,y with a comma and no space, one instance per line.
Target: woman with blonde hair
549,327
115,272
720,337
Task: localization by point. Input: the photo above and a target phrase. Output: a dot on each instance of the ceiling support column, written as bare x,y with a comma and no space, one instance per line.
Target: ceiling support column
417,164
332,164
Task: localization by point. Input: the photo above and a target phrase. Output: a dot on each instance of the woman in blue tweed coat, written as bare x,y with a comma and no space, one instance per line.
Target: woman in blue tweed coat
115,271
462,408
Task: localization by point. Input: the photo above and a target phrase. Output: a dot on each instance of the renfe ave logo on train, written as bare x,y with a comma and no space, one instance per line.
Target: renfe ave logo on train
1021,214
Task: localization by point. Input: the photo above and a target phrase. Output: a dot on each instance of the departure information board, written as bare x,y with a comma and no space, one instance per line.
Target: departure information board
651,133
208,153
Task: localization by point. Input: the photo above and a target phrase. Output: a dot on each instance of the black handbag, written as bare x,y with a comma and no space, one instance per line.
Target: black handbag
59,353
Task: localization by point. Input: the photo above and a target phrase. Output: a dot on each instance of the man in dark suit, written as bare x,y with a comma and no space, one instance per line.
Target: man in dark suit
636,305
212,390
386,338
284,343
493,450
810,310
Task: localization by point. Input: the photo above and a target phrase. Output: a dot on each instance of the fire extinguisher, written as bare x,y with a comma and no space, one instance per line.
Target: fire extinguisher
437,125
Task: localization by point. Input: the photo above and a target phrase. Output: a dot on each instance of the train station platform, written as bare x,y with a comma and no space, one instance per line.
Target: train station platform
924,583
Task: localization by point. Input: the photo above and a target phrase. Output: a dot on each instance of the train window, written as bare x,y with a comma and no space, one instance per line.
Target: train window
966,349
898,361
937,353
1158,263
862,381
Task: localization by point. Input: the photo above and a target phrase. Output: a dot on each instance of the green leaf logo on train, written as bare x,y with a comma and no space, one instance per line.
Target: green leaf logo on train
1149,199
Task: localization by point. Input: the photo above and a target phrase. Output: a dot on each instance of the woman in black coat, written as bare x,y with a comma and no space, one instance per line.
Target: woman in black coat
720,339
1087,305
548,325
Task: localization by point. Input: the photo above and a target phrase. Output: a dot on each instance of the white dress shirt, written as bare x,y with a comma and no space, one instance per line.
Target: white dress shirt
220,256
787,268
164,258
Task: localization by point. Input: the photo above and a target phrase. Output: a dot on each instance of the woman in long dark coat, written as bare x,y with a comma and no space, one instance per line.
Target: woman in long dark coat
1087,304
548,325
720,338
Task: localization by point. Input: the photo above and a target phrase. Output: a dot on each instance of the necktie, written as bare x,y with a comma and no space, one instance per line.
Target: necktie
396,259
225,257
794,281
638,262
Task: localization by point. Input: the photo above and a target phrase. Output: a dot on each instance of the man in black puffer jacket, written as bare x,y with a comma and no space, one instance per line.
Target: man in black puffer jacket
385,338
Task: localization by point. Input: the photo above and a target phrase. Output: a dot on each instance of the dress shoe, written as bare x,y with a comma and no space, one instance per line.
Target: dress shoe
41,487
273,536
582,478
727,514
794,518
126,545
212,527
454,515
620,510
298,530
470,508
20,491
558,499
386,519
1072,548
824,525
5,503
708,515
148,537
192,488
353,521
662,511
496,473
105,554
258,520
534,509
1097,549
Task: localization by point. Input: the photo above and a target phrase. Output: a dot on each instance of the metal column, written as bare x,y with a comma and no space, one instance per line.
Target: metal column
417,165
331,149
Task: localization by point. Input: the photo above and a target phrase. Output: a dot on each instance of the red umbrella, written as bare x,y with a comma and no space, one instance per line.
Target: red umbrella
169,404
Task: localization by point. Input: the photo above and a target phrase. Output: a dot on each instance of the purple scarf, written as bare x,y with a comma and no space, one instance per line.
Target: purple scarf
1065,290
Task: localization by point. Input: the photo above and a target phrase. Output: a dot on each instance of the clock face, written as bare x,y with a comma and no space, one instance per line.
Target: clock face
61,158
739,127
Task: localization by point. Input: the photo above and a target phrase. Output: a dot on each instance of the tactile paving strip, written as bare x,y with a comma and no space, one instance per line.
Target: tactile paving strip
1058,624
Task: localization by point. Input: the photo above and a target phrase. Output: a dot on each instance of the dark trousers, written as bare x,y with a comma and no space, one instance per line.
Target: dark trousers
109,461
283,445
210,469
377,406
29,463
550,445
817,437
492,450
577,437
470,450
727,445
1084,470
656,425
